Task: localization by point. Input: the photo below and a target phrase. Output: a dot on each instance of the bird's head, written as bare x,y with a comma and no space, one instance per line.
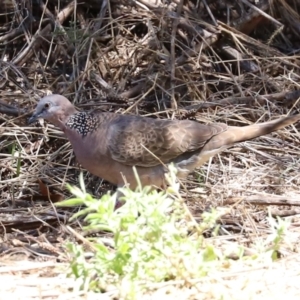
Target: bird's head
53,108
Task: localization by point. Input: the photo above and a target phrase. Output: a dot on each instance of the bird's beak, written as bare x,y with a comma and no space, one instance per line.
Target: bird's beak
33,118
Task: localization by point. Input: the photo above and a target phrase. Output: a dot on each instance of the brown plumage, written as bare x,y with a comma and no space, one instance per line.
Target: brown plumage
109,145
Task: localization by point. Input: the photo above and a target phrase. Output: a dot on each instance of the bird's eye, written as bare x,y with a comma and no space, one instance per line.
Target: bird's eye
47,105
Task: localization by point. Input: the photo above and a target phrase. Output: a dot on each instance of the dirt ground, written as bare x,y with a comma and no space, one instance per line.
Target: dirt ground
44,280
235,62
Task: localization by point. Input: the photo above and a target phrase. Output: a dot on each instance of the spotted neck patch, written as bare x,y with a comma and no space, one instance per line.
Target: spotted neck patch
84,123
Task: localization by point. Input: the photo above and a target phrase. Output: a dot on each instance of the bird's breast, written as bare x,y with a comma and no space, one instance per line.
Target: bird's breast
93,154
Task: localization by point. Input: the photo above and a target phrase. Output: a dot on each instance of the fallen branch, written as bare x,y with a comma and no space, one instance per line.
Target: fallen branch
265,200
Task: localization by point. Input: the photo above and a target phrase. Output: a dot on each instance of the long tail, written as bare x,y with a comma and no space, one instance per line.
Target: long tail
239,134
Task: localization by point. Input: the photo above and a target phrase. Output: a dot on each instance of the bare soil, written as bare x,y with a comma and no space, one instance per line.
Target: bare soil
236,62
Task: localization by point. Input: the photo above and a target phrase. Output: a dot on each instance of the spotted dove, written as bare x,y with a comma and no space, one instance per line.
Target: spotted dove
109,145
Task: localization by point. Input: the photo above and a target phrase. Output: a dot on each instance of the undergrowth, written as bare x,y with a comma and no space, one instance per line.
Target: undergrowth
153,239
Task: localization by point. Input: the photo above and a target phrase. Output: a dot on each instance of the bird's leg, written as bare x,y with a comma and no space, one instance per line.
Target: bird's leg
119,202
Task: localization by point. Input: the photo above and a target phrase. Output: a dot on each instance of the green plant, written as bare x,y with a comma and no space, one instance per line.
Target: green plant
153,239
278,236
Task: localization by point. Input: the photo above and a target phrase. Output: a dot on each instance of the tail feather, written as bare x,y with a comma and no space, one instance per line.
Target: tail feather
239,134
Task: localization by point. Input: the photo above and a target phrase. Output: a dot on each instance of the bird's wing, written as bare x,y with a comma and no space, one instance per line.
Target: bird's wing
148,142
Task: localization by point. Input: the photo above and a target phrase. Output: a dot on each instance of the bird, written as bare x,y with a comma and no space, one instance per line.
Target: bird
109,145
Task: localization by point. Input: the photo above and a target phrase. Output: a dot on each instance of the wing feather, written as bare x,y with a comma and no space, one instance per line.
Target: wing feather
146,142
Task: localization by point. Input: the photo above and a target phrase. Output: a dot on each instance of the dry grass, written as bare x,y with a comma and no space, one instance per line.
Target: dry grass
141,59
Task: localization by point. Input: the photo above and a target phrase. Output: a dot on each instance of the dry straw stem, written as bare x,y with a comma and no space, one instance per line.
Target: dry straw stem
212,61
